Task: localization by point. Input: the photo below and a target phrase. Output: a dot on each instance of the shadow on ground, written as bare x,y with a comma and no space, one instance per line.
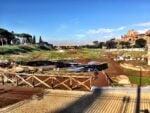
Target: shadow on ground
81,104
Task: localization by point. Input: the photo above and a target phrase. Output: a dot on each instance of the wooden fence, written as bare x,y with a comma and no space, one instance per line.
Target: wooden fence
53,82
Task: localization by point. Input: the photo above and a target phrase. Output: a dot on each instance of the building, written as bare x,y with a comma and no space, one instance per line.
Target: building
21,40
5,37
132,36
148,44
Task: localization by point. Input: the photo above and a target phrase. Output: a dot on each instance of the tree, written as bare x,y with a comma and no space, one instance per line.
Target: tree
33,40
95,44
111,43
101,44
124,44
140,43
40,40
27,37
5,36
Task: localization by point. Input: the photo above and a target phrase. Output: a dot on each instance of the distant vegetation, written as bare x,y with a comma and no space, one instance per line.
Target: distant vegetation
11,38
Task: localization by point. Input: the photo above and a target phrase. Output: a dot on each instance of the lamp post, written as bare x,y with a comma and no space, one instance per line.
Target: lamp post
140,76
138,98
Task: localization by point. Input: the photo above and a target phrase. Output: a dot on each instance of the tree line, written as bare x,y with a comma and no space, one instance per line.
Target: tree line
9,38
112,43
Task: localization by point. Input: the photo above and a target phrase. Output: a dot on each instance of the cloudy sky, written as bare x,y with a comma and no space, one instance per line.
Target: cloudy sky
75,21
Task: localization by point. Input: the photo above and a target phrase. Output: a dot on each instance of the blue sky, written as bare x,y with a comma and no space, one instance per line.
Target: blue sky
75,21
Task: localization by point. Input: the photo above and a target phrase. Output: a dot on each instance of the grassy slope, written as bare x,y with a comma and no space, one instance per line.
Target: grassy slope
8,52
134,77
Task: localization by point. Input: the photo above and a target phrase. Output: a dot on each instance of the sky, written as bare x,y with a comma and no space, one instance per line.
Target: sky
75,21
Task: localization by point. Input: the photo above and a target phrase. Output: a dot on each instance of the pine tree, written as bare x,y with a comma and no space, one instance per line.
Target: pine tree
40,40
33,40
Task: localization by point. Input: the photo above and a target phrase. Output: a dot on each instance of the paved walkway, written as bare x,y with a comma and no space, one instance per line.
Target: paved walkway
59,101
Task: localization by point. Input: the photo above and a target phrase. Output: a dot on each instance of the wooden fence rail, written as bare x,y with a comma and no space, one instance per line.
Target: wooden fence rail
53,82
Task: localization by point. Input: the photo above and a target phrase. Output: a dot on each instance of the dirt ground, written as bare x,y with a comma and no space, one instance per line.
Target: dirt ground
114,68
11,95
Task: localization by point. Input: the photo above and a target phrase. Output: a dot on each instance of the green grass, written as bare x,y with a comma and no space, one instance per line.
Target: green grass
8,48
136,80
88,54
6,52
134,77
14,49
130,72
31,52
56,55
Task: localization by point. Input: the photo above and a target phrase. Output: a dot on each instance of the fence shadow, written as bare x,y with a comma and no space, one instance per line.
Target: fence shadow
138,99
81,104
138,102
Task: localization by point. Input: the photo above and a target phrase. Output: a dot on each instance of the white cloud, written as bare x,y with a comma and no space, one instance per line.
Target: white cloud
100,34
100,30
145,24
105,30
143,30
121,28
90,35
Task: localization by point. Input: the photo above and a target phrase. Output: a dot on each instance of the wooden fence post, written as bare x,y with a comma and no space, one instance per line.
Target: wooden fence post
17,81
33,83
2,77
90,82
52,84
70,82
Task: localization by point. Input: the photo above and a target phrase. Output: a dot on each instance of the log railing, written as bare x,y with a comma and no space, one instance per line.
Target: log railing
53,82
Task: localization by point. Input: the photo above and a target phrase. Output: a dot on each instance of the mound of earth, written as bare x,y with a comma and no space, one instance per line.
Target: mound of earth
114,68
83,61
122,80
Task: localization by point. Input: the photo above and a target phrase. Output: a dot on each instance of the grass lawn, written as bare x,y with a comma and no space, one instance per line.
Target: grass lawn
14,49
134,77
31,53
136,80
130,72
